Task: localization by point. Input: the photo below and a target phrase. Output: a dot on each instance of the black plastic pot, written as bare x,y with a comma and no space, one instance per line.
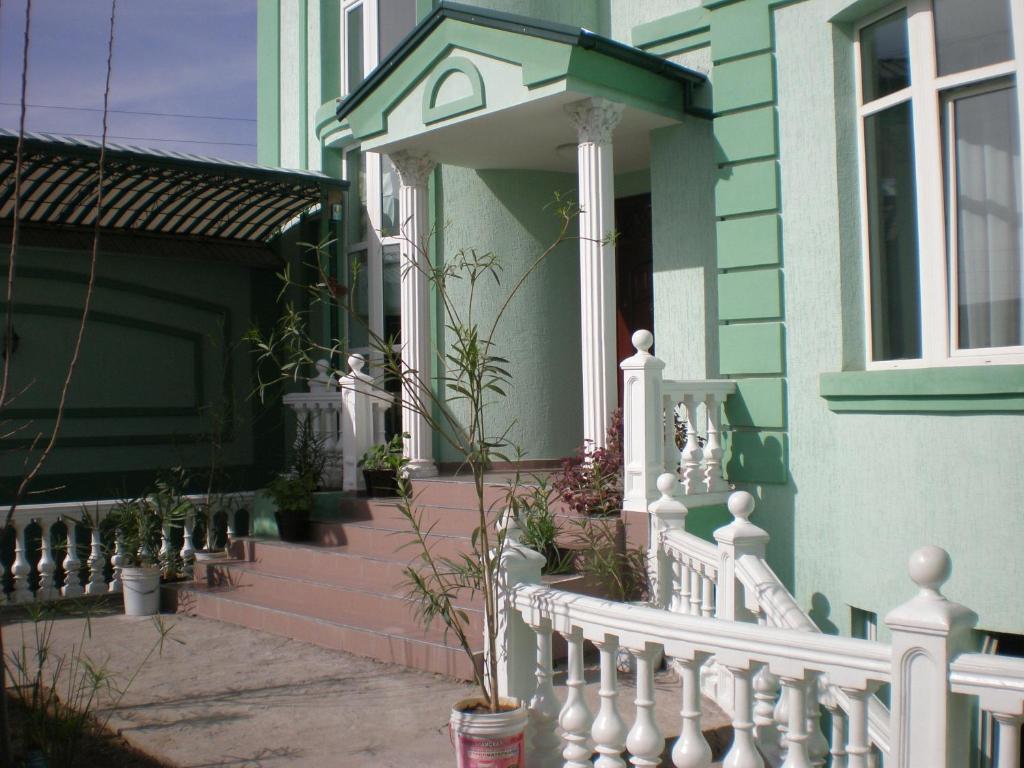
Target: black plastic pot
292,527
381,482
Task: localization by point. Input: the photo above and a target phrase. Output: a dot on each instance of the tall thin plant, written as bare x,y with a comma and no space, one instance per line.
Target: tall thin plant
472,377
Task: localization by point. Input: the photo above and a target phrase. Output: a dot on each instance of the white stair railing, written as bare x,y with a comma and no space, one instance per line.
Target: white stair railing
344,417
651,406
774,675
746,588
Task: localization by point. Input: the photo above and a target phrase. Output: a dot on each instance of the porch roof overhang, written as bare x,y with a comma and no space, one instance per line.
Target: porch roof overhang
484,89
154,193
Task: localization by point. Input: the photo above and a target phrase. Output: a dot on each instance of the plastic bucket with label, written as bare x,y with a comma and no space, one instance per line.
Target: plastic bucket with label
489,739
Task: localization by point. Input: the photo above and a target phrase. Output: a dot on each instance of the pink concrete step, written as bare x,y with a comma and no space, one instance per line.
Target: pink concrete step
333,565
392,612
381,540
368,638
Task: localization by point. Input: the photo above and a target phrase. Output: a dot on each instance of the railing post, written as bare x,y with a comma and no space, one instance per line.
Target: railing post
357,399
928,720
516,641
643,446
738,538
666,514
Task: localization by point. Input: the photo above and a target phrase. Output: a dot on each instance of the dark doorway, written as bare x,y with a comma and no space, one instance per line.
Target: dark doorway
634,274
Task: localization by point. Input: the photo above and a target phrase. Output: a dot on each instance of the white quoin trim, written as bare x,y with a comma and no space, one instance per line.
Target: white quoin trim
595,119
414,170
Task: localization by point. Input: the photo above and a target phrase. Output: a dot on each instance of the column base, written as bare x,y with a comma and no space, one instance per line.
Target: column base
420,468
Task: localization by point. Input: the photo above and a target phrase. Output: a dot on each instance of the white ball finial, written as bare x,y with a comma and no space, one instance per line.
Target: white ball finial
667,485
356,363
322,366
741,505
642,341
930,568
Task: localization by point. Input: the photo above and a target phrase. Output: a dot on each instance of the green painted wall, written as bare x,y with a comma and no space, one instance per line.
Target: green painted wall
268,82
868,488
508,212
578,13
162,351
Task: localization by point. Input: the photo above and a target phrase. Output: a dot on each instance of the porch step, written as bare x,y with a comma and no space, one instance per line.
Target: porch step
346,588
366,638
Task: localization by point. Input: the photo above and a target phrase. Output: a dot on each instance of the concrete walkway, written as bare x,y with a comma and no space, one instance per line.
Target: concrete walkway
213,694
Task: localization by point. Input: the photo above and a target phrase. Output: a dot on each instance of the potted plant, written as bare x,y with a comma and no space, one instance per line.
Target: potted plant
292,491
458,403
381,466
138,526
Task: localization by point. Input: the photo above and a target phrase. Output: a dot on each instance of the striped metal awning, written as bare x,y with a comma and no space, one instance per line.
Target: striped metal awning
149,191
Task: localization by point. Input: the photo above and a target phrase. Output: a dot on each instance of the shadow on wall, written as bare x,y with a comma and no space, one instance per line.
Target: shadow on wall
821,612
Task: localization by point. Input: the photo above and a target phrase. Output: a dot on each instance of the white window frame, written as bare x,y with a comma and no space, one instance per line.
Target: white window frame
936,261
369,39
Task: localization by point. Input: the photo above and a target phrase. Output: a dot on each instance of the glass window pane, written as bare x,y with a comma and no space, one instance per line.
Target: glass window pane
356,175
971,33
389,184
396,19
354,46
988,220
392,292
885,64
358,279
892,225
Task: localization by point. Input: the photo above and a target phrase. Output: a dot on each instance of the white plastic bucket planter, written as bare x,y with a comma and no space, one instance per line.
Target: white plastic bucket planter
141,587
489,740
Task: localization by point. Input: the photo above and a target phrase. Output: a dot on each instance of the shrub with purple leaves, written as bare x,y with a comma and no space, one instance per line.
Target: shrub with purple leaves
591,481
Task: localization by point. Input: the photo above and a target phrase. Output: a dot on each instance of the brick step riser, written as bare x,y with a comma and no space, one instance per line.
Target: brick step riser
366,540
334,604
443,520
329,566
434,658
446,493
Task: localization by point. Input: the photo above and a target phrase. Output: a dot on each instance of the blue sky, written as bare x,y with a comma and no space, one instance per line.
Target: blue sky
184,57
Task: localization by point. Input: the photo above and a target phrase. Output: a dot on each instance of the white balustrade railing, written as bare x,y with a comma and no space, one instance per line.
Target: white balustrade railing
59,552
748,592
344,415
651,407
775,675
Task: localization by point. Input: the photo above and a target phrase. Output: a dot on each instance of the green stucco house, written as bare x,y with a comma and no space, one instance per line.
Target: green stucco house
817,202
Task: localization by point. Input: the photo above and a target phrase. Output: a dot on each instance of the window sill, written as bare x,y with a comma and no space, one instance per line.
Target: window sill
963,389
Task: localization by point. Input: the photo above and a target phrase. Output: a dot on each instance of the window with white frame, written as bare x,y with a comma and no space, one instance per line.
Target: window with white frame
940,147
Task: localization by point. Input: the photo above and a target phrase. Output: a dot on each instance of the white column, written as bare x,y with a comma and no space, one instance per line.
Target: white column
595,119
414,170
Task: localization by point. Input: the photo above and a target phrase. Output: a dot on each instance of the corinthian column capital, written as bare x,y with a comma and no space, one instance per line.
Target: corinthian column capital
595,119
413,167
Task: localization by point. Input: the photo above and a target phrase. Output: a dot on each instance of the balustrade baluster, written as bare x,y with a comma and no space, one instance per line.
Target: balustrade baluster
575,718
695,590
188,551
714,481
707,603
858,747
838,750
691,749
682,586
817,744
693,456
645,741
766,692
782,720
165,556
743,752
609,730
795,692
95,585
1008,745
545,745
230,524
72,565
672,454
116,563
46,565
21,567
